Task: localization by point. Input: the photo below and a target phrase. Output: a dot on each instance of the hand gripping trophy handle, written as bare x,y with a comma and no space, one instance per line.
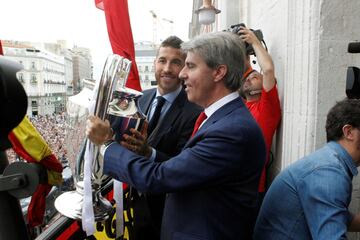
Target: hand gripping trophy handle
109,92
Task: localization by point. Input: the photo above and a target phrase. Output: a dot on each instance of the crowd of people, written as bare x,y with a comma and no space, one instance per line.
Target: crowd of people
52,129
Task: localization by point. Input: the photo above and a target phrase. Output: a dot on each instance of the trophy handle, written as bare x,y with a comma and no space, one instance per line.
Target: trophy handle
116,72
114,76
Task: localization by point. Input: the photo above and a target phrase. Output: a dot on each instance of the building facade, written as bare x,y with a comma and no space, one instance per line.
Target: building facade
43,77
51,73
82,67
145,54
60,48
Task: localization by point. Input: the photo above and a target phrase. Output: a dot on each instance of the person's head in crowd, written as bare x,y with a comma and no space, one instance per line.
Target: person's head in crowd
168,63
252,84
214,66
343,125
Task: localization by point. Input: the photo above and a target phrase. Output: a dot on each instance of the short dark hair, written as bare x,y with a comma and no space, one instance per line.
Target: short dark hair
172,41
344,112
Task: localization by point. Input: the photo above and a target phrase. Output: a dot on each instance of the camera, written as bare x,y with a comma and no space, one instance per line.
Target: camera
353,74
236,28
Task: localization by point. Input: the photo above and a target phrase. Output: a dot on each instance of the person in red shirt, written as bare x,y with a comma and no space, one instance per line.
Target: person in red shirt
261,96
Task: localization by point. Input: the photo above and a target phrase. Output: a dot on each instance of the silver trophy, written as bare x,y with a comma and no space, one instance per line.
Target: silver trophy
113,101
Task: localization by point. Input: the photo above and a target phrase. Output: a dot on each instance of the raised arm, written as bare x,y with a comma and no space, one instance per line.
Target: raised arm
265,61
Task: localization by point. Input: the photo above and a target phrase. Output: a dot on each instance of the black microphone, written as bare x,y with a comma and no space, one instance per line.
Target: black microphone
354,47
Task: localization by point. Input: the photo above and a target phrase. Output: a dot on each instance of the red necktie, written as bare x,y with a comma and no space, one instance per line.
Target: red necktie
198,122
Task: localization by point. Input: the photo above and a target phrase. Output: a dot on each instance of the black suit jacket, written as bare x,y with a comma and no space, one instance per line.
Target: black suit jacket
168,139
175,128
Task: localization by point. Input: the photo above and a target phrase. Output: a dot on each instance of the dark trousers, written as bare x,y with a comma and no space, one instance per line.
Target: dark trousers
148,210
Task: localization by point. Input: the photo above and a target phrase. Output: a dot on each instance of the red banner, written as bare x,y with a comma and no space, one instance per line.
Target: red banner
120,35
1,50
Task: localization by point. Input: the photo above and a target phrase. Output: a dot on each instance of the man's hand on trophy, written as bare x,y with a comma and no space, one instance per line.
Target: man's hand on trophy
137,142
98,131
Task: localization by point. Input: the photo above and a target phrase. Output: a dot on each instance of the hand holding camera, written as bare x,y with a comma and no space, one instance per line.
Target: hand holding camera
250,36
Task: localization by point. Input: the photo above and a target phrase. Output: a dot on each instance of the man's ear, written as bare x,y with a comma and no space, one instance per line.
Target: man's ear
348,132
220,72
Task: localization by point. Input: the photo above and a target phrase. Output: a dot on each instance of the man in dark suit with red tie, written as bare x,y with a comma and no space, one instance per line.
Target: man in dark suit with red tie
212,184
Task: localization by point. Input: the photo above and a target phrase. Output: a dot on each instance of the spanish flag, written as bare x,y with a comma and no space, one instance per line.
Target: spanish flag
29,144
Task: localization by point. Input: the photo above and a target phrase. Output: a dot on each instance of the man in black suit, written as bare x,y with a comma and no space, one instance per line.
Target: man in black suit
170,126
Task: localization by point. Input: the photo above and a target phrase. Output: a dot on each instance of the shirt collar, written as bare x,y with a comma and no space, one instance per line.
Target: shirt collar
345,156
170,97
219,103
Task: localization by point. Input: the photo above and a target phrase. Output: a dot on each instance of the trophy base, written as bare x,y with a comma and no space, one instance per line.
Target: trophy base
70,204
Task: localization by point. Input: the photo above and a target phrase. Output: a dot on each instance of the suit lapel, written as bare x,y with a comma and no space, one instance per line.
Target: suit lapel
217,115
146,100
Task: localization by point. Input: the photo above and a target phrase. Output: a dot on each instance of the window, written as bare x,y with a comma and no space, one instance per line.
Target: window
146,68
32,65
33,79
20,77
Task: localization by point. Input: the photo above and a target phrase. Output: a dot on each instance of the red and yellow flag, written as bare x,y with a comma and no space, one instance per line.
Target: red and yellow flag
29,144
